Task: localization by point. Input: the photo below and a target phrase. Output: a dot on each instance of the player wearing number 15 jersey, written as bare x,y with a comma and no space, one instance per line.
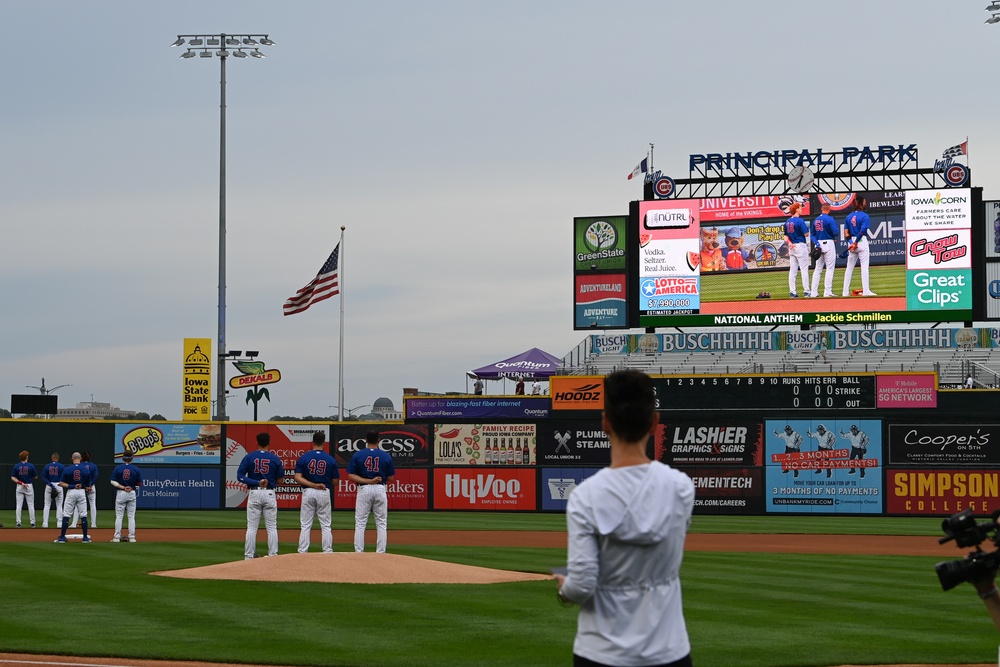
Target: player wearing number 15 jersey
371,469
260,471
315,471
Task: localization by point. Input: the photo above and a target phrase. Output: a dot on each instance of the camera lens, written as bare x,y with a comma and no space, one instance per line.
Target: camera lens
951,573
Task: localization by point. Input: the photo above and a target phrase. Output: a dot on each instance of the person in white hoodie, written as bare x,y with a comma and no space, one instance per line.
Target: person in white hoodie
626,528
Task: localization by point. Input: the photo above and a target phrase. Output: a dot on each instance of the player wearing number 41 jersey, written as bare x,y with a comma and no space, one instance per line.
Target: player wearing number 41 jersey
315,472
260,471
371,469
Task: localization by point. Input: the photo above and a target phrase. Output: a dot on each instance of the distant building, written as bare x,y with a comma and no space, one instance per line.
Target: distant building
385,410
94,410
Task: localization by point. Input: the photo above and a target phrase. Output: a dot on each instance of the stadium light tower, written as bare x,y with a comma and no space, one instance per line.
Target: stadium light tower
222,45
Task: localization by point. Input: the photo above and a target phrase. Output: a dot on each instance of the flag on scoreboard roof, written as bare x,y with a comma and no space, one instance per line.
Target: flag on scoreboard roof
640,168
955,151
323,286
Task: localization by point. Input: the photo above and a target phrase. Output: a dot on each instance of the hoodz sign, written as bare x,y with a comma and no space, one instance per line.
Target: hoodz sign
577,393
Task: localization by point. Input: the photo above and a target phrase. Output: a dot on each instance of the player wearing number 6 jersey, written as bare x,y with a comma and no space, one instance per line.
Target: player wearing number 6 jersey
371,469
127,479
315,472
260,471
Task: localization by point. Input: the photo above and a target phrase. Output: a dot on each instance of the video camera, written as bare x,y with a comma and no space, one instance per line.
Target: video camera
967,532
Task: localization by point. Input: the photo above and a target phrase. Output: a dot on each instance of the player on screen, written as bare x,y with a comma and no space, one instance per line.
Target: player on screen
793,442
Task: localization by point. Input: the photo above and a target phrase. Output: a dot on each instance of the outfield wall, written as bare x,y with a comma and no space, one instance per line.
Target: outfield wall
915,462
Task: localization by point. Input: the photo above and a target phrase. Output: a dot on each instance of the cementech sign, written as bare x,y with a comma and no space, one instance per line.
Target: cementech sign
579,392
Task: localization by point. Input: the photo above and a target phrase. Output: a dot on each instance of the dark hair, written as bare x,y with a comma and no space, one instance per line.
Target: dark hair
85,455
319,438
127,456
372,437
263,439
629,404
859,202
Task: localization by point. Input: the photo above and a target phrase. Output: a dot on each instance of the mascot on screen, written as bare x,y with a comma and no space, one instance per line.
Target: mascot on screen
734,254
711,254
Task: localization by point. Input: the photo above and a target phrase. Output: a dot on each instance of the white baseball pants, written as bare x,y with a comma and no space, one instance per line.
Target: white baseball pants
75,504
371,499
49,503
261,502
124,503
25,494
852,259
798,261
92,501
315,504
827,260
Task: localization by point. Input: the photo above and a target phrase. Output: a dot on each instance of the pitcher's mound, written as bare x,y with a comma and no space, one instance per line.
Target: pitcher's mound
352,568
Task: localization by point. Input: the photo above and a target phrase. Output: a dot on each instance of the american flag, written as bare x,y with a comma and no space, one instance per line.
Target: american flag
323,286
955,151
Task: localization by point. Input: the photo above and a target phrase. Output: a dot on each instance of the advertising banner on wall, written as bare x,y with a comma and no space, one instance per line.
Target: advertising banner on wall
599,242
577,392
992,240
573,443
600,301
288,441
408,491
906,390
484,444
484,488
824,467
942,491
558,483
179,488
993,291
727,490
477,408
196,401
177,444
944,444
709,442
407,444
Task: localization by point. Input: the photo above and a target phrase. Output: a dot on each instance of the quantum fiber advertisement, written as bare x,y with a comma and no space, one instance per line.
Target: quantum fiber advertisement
823,466
726,261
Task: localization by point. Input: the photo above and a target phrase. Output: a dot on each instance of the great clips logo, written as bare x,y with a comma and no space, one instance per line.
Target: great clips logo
489,489
576,393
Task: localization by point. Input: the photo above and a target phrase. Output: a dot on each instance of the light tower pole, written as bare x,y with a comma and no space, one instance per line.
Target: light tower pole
222,45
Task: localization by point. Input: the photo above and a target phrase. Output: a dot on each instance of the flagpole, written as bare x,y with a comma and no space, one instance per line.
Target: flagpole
651,158
340,388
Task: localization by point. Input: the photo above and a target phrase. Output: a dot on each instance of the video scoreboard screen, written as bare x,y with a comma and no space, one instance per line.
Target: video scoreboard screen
727,261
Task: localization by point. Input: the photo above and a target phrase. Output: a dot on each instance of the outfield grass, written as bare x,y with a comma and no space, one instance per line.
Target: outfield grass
344,519
742,285
742,608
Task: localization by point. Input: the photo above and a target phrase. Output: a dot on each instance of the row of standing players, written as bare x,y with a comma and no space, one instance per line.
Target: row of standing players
78,483
371,469
825,234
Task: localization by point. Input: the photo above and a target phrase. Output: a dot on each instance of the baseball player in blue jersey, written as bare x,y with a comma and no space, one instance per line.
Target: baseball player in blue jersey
23,475
315,471
856,229
797,240
260,471
825,233
371,469
127,479
91,491
76,480
51,474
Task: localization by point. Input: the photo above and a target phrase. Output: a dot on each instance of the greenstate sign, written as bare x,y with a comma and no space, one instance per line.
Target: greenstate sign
940,289
599,242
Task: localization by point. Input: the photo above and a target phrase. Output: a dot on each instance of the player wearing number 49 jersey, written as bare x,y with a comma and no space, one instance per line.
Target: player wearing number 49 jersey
315,472
260,471
371,469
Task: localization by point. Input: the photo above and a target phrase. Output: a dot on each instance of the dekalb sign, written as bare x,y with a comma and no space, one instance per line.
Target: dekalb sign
266,377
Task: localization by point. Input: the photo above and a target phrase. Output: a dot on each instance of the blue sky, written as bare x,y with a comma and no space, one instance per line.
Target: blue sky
455,141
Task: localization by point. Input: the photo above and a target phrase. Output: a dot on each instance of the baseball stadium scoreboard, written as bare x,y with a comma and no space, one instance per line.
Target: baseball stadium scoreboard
765,392
710,260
